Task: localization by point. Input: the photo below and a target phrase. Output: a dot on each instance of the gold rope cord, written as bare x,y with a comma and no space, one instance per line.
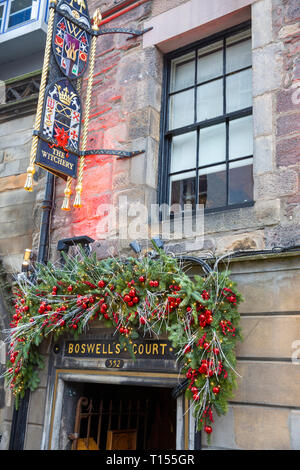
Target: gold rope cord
31,169
96,25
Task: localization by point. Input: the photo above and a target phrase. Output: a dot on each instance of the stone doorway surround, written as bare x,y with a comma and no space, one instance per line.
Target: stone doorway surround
185,426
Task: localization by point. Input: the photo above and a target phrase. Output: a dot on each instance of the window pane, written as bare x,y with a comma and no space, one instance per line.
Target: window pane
212,145
239,90
20,12
210,62
212,187
238,55
183,152
181,109
210,100
183,189
17,5
240,137
240,182
183,72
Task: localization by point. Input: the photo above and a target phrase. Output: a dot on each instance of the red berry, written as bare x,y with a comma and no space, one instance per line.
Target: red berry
187,349
142,321
195,397
208,429
142,278
70,288
132,293
135,300
74,327
127,298
101,284
216,390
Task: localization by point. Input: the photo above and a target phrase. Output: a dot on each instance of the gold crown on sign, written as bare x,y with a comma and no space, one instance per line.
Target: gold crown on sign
64,95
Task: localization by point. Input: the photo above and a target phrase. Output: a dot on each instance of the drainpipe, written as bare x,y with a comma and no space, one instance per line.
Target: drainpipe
19,420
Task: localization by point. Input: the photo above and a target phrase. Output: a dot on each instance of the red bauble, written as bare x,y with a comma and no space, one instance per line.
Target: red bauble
196,397
127,298
132,293
208,429
70,288
142,321
206,345
142,278
194,390
216,389
101,284
135,300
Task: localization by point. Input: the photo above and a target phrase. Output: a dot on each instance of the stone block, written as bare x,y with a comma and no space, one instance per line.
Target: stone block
16,197
283,236
144,123
261,428
240,242
292,11
223,436
288,151
277,184
33,437
268,382
36,406
15,245
263,155
288,100
294,426
258,283
289,124
141,94
269,336
262,115
12,182
17,125
262,31
267,69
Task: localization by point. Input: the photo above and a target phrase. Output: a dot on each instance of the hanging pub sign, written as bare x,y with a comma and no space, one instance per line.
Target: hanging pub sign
60,130
71,41
56,147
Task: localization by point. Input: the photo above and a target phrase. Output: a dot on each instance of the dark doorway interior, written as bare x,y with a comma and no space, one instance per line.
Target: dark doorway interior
147,414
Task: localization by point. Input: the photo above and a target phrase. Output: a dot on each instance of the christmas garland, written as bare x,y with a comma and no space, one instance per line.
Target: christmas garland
137,297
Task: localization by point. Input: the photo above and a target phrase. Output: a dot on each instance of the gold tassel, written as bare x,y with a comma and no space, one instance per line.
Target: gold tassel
29,180
66,203
77,201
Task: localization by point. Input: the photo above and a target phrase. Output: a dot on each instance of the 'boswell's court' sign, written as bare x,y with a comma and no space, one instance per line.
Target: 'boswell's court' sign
112,349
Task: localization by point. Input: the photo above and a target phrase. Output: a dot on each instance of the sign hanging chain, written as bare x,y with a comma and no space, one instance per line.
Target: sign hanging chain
31,169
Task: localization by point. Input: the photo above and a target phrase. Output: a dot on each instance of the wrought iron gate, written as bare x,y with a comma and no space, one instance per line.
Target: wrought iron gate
96,425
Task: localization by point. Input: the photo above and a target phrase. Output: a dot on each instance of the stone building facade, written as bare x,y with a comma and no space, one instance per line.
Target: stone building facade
129,112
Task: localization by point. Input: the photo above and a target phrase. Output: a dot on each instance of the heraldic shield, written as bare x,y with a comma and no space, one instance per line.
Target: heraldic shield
60,130
71,42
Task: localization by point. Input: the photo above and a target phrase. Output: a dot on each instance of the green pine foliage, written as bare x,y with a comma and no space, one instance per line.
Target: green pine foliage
136,296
